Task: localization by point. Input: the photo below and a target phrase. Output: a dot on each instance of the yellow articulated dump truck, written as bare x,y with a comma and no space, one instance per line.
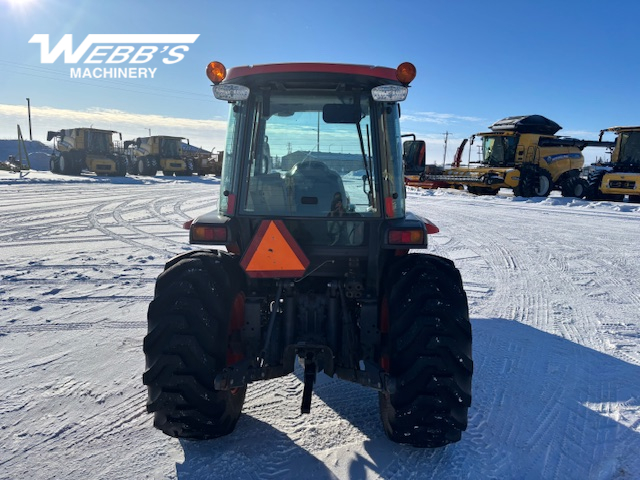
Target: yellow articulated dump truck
209,164
147,155
620,176
91,149
524,153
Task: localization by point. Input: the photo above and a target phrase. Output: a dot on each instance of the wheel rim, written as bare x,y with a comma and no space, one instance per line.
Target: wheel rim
141,166
543,185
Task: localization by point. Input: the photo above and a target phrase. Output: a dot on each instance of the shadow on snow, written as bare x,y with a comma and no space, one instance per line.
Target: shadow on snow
543,406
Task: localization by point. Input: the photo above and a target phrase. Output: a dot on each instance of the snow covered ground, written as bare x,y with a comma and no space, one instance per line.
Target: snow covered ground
554,300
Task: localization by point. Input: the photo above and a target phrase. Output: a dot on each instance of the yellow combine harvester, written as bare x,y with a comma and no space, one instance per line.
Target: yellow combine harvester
78,149
621,176
524,154
147,155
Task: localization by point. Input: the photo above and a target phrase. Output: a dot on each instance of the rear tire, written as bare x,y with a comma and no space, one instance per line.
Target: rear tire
54,165
574,187
196,313
534,182
66,164
189,171
121,167
132,166
427,352
482,190
143,166
594,180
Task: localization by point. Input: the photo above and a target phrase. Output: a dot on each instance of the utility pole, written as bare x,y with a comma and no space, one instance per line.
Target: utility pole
444,160
29,110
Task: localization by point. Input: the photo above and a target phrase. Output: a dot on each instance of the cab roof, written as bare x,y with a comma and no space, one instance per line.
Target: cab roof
91,130
527,124
368,70
162,136
622,129
308,74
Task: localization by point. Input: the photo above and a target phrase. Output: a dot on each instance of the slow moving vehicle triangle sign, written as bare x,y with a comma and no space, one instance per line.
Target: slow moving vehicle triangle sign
274,253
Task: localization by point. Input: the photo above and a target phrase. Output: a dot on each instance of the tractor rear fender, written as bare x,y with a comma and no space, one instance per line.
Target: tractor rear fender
430,226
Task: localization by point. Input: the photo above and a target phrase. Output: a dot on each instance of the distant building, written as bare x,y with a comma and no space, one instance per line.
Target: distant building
340,162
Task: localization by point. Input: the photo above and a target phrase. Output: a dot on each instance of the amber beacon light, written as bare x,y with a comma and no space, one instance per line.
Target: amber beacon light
405,73
216,72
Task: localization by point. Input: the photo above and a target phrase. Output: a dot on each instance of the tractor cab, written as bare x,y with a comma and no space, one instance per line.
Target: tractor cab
499,150
317,146
626,155
310,145
620,176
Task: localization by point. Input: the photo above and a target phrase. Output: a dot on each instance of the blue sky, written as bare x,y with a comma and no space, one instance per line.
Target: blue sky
575,62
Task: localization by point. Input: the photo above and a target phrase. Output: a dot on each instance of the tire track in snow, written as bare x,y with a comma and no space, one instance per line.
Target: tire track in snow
71,326
97,428
513,297
513,387
533,273
41,223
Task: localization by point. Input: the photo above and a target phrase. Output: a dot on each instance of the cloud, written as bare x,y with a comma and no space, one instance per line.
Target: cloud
438,118
583,134
205,133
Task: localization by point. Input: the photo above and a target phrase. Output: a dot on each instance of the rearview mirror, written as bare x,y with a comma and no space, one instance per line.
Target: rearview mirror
414,156
339,113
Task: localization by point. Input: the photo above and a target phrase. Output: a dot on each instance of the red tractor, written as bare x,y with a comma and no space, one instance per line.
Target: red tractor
313,263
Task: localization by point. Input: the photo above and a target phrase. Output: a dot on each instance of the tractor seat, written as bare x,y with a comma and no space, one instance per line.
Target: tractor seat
315,186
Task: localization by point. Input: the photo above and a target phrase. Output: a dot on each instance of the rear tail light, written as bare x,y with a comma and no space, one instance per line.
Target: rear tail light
406,237
204,233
